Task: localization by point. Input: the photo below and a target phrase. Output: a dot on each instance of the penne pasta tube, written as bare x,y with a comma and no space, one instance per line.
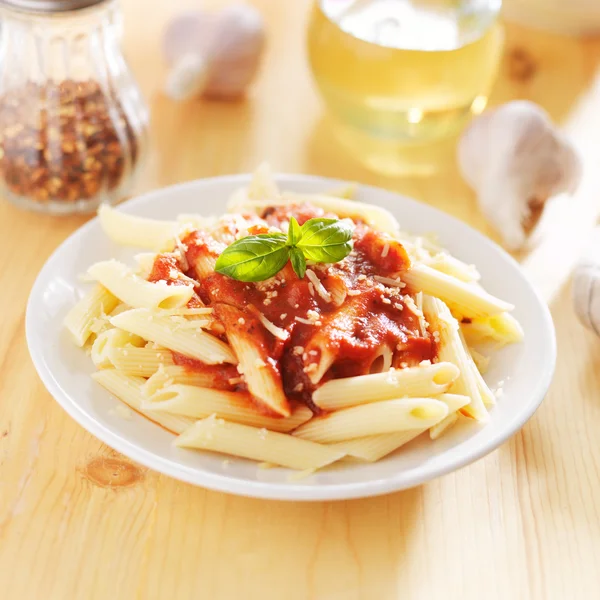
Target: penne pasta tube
503,329
373,215
129,390
370,419
281,449
238,407
94,305
145,263
423,380
373,447
140,362
439,428
263,379
262,186
452,349
107,341
223,379
448,264
122,282
130,230
465,299
481,362
454,402
163,331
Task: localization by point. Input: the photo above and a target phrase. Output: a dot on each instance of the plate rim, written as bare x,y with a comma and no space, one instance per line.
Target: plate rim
278,490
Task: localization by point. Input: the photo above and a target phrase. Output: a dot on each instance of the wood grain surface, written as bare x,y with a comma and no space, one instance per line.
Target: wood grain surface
79,521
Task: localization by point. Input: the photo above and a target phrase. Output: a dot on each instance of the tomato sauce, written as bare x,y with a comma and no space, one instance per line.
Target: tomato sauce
364,315
371,315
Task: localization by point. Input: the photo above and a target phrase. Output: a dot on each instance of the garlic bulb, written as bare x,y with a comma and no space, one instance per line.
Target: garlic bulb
586,284
213,54
515,160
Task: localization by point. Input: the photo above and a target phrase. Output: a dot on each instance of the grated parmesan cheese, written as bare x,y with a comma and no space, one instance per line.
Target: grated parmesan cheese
319,287
385,250
303,320
389,281
278,332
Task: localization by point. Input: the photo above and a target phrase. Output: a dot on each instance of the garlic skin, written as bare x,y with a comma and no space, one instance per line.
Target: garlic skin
515,160
586,284
213,54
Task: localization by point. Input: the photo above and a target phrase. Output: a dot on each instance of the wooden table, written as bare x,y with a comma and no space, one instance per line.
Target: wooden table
79,521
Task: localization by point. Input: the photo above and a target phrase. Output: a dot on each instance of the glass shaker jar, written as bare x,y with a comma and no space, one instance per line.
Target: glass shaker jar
73,125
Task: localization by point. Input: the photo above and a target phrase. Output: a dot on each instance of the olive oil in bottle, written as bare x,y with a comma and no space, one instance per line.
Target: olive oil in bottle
398,75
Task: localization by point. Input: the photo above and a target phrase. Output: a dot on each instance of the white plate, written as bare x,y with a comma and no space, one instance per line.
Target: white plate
526,368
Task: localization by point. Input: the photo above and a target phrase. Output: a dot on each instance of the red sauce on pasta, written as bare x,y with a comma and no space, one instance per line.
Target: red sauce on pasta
354,311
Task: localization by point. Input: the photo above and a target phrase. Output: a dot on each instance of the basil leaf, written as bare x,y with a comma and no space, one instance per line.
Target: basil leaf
254,258
294,232
326,240
298,262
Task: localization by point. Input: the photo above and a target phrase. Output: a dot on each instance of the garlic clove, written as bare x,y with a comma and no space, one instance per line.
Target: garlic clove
515,160
188,33
236,50
214,54
187,78
586,284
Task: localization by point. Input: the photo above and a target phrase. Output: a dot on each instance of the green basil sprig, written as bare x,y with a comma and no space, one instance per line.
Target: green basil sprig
258,257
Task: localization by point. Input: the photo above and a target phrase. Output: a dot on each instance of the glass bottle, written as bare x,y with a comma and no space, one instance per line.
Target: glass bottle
398,75
73,125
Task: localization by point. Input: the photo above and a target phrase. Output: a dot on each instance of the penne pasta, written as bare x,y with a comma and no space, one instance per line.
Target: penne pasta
129,390
163,331
370,213
238,407
205,378
145,263
131,230
454,402
481,362
263,380
465,299
315,341
448,264
503,329
374,447
262,185
107,341
439,428
140,362
81,318
425,380
219,435
369,419
452,349
123,283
